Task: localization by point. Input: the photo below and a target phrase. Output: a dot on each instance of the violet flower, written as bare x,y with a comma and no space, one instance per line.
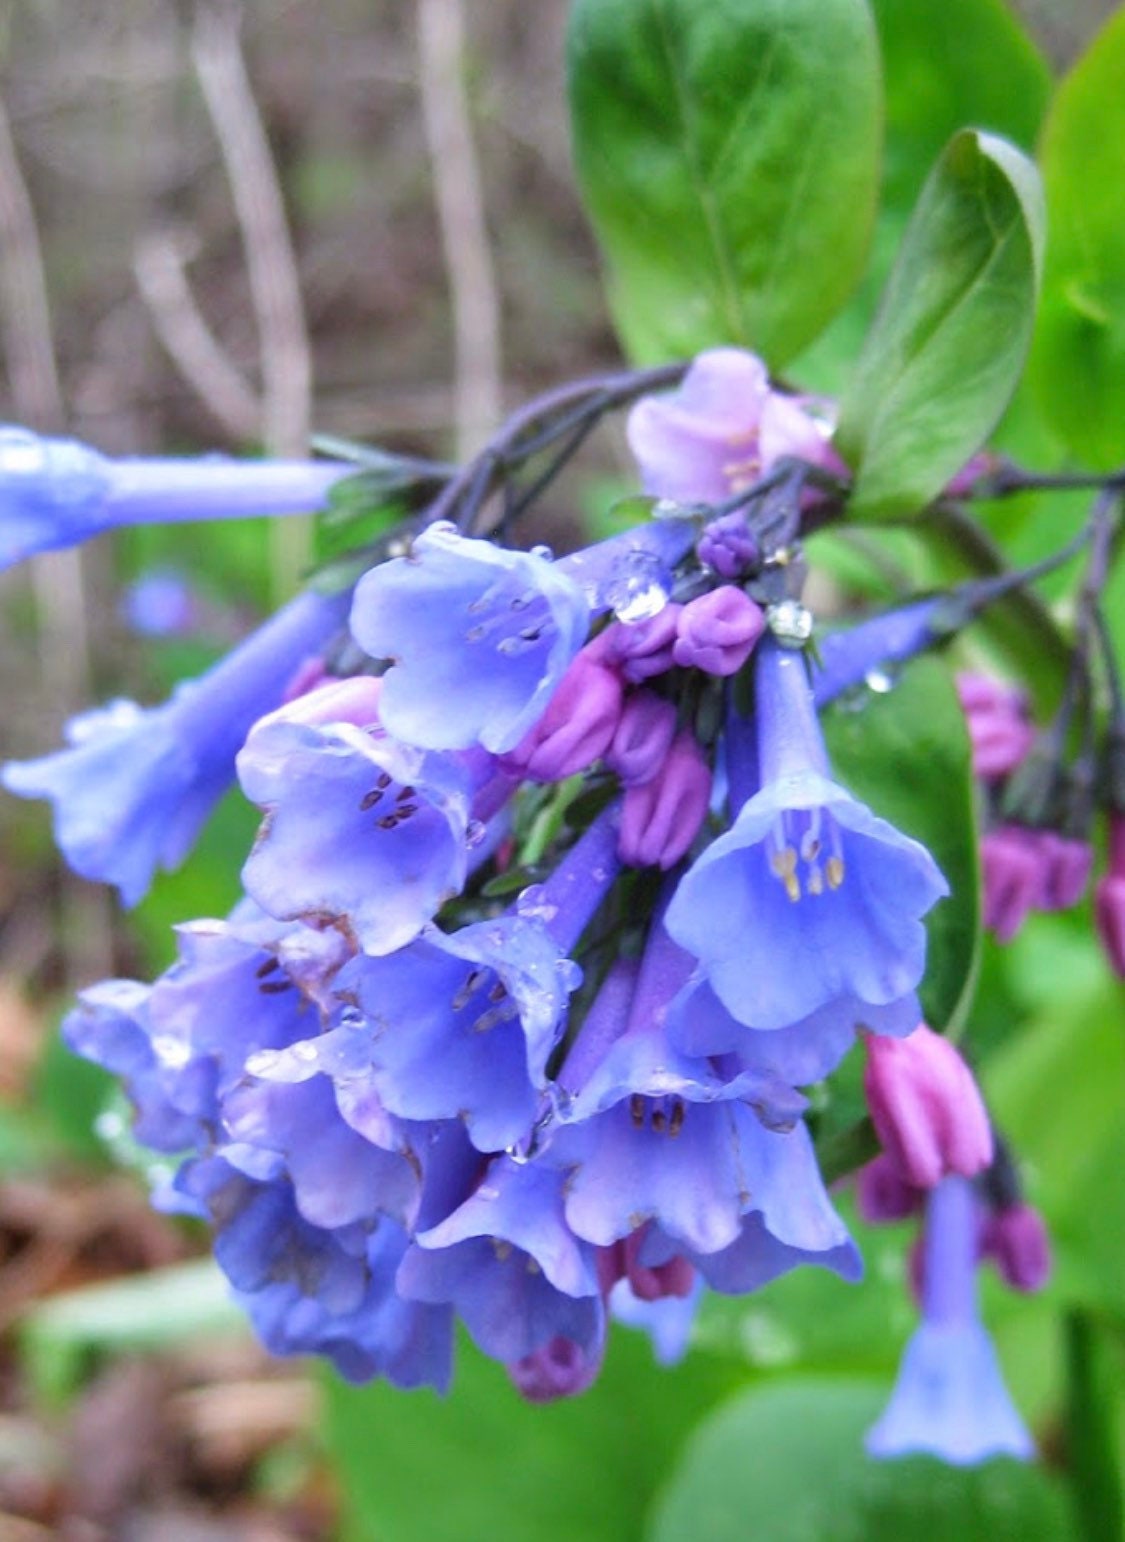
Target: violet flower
809,897
1109,897
57,492
926,1107
950,1399
136,785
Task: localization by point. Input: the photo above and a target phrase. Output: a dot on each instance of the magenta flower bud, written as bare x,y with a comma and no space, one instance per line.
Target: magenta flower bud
578,726
643,738
1013,870
1109,898
660,819
926,1107
640,649
717,631
1016,1240
561,1368
883,1194
648,1282
996,715
354,701
1067,864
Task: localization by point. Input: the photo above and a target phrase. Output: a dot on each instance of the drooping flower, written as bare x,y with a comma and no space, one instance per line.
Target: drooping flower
721,429
361,831
950,1399
480,637
136,785
926,1107
661,817
57,492
1015,1238
999,729
578,725
809,897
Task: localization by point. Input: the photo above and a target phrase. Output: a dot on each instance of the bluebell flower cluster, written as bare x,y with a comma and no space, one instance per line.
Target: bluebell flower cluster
555,909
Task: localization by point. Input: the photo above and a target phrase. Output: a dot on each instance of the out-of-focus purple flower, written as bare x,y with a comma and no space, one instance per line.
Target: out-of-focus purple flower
883,1195
1067,864
729,545
720,430
1015,1239
717,631
999,730
950,1398
642,739
135,786
161,604
57,492
926,1107
809,897
1109,897
361,832
661,817
508,1262
578,726
1013,873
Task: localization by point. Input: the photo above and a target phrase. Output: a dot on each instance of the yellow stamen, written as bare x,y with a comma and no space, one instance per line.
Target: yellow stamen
834,872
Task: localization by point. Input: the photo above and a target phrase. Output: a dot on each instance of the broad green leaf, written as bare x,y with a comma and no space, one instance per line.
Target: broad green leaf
948,344
728,151
481,1463
905,752
1078,365
946,63
785,1463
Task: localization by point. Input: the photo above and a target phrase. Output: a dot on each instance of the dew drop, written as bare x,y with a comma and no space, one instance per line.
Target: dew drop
171,1051
261,1062
790,622
443,528
475,832
544,553
638,591
881,681
109,1125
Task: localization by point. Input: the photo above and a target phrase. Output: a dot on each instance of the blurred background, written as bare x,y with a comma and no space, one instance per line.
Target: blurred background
229,226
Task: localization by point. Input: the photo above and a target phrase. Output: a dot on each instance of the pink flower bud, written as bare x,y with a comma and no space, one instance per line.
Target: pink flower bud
1016,1240
622,1261
578,726
353,701
561,1368
717,631
640,649
643,738
926,1107
1066,873
660,819
1013,866
883,1195
996,716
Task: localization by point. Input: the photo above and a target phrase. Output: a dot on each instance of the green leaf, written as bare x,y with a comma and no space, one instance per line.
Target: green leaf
1078,366
944,66
906,753
948,344
482,1463
785,1463
728,151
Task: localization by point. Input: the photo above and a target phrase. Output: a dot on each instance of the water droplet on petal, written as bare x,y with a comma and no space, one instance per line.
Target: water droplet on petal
444,528
790,622
533,904
306,1050
475,832
569,974
544,553
261,1062
171,1051
668,508
20,451
880,681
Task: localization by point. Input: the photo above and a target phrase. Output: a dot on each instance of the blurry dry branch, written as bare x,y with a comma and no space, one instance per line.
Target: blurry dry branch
468,256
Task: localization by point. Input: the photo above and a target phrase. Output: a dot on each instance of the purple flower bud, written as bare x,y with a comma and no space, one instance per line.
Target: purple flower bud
660,819
883,1194
561,1368
717,631
643,738
578,725
729,546
999,730
1016,1240
1109,898
641,649
926,1107
1013,874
